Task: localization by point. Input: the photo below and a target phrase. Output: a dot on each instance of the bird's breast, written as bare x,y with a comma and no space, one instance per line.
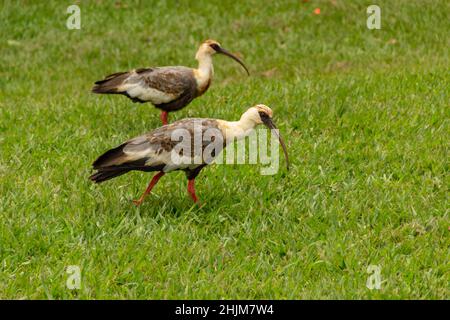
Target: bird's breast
203,81
202,89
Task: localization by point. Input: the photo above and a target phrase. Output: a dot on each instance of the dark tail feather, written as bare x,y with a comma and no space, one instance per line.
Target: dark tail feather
109,158
111,83
103,175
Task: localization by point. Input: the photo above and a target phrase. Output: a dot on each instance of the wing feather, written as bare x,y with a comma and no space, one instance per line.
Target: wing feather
159,85
153,151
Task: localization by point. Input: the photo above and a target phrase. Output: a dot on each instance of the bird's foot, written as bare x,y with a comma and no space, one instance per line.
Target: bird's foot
138,202
197,202
200,204
152,183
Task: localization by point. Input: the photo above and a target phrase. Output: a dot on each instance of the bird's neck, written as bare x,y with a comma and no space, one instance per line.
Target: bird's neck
237,129
205,64
204,72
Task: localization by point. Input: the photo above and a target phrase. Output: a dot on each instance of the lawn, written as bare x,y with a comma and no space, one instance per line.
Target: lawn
365,114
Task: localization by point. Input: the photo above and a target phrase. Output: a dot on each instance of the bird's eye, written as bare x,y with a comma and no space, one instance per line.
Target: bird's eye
263,115
215,46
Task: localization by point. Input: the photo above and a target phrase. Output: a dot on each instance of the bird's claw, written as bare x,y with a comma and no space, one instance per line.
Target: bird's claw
200,204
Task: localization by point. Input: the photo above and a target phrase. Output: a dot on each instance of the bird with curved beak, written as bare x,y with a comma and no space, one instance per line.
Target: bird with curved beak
156,150
167,88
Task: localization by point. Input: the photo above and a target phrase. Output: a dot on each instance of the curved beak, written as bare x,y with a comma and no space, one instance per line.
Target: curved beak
232,56
269,124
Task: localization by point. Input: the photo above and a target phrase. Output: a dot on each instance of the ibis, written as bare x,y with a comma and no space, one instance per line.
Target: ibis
167,88
156,150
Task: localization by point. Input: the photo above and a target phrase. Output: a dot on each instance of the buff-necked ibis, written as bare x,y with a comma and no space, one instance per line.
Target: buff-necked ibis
167,88
154,151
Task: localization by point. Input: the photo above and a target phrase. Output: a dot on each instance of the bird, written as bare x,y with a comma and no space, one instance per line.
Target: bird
167,88
157,151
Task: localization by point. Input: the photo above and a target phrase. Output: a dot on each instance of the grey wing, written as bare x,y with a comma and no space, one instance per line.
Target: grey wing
160,85
180,145
152,150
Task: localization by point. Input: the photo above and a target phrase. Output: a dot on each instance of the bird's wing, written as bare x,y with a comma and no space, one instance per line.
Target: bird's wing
160,85
175,146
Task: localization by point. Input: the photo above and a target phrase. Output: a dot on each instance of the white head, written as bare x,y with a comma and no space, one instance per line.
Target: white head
257,113
262,114
207,48
211,47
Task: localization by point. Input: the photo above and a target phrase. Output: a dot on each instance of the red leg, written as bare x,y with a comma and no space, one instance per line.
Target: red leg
191,189
149,188
164,115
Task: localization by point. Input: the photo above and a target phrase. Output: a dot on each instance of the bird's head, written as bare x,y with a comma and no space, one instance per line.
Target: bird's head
262,114
211,47
263,111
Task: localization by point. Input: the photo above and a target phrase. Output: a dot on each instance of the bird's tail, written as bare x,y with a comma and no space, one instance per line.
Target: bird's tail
114,163
106,174
111,83
107,165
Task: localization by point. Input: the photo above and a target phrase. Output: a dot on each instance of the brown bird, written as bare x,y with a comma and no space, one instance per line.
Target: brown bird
167,88
163,151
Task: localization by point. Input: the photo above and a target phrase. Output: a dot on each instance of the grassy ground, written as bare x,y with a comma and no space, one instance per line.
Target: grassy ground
364,112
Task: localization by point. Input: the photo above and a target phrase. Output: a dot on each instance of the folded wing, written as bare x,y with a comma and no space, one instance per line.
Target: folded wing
154,151
160,86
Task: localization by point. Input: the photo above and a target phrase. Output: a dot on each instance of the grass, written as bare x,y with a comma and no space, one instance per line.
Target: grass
364,112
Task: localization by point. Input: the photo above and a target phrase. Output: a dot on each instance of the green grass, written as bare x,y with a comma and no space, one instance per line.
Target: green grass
365,118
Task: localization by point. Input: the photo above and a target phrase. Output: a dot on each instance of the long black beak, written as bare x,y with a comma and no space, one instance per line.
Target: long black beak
232,56
269,124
